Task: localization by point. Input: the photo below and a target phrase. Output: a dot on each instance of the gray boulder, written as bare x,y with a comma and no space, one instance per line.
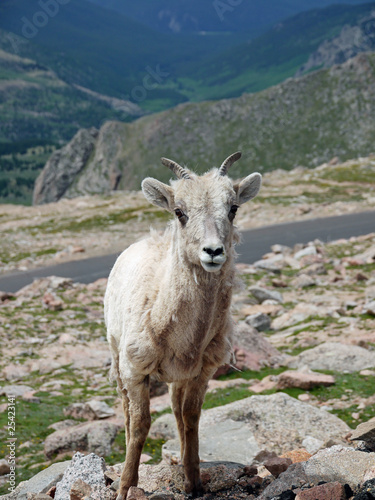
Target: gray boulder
259,321
216,476
336,464
252,349
271,265
15,390
309,250
303,281
262,294
96,437
369,308
240,430
89,468
294,477
40,483
100,409
365,432
339,463
335,357
92,410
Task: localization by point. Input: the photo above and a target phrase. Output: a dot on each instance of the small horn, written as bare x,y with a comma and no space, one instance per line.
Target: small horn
179,171
229,162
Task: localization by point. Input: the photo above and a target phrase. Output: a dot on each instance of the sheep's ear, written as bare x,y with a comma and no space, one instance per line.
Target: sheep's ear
157,193
248,188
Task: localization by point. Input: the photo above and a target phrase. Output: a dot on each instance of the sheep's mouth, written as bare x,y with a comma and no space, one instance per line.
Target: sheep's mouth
211,266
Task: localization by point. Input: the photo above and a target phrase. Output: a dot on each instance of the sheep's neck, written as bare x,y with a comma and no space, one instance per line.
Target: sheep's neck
198,312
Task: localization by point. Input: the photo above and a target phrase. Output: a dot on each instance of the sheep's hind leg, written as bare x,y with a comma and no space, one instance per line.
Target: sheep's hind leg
125,406
138,425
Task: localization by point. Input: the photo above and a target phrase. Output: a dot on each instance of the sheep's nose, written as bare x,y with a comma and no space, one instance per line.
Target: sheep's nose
214,251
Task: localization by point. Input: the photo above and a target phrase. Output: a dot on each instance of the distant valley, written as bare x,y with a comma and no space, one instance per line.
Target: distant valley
117,59
285,50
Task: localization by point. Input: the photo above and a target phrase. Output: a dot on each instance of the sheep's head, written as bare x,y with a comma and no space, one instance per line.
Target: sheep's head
205,207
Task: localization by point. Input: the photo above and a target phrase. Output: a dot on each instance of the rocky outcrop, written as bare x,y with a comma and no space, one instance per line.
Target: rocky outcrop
351,41
64,166
107,164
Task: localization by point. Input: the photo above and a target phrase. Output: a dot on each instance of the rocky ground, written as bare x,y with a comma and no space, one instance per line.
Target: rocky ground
305,350
96,225
293,419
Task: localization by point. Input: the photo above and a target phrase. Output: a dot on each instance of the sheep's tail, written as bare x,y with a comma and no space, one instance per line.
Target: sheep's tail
113,372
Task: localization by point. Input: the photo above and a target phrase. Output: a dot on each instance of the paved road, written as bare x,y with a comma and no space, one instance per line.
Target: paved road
255,243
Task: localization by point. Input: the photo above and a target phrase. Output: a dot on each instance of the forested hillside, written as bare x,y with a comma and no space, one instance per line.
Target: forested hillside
39,112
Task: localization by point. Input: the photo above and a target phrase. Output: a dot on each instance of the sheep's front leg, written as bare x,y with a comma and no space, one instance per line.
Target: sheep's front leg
177,392
191,410
138,425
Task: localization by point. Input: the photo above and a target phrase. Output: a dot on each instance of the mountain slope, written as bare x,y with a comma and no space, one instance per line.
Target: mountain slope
190,16
303,121
105,51
274,56
35,103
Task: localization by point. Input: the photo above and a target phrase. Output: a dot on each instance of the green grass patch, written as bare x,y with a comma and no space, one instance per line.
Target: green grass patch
152,447
285,201
252,374
365,268
348,384
98,222
360,385
6,257
32,421
225,396
333,194
351,173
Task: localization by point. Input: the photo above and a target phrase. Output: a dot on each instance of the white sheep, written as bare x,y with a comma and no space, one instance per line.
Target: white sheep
167,307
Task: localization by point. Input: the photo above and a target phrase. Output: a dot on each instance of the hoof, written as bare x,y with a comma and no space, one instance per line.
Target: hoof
120,496
194,491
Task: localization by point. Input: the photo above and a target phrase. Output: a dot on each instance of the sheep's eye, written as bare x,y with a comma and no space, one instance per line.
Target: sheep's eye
232,212
179,213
